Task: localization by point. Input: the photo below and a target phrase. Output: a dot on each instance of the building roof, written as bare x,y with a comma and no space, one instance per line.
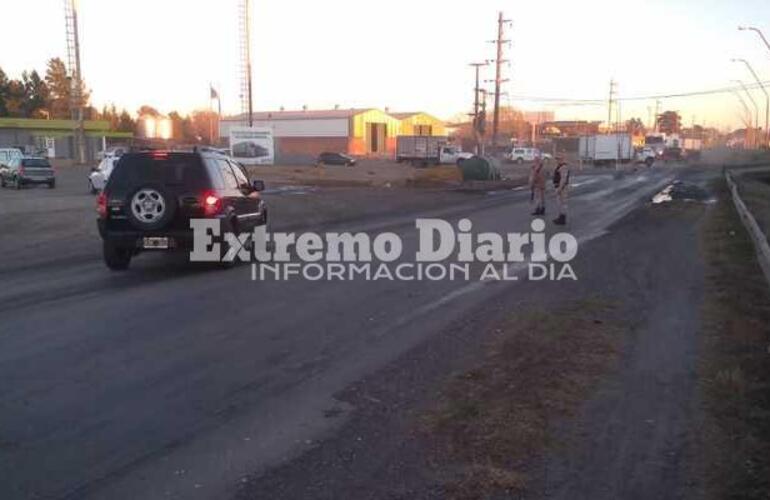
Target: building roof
318,114
41,124
408,114
61,128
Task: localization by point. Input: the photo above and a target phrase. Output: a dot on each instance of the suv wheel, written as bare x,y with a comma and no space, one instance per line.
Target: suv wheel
519,160
17,184
51,184
150,208
116,258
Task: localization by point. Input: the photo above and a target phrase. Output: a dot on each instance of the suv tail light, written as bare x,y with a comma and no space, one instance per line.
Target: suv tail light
101,205
212,204
21,169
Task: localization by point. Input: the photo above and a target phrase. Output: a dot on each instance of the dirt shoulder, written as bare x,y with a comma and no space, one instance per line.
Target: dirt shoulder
735,365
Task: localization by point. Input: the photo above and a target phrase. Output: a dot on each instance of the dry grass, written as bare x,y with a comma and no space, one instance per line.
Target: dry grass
491,421
735,367
755,192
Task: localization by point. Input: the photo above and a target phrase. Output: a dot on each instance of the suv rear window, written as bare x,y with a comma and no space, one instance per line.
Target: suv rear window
170,170
36,163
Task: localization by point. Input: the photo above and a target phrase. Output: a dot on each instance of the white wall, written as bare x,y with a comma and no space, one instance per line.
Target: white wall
337,127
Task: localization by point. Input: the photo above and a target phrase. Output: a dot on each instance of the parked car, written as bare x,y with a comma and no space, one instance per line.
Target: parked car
116,152
335,159
99,175
150,198
25,170
520,155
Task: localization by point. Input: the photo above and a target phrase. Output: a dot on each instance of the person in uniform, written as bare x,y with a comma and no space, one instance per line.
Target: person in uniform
561,185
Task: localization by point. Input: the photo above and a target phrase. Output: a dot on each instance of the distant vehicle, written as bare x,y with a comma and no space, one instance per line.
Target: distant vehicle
335,159
657,142
150,198
453,155
9,154
249,150
429,150
520,155
672,154
99,175
26,170
646,155
610,148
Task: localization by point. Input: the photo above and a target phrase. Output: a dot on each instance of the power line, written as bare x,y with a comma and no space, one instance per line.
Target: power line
578,101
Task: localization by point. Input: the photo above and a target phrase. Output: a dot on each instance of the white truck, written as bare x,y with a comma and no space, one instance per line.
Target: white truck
428,150
610,148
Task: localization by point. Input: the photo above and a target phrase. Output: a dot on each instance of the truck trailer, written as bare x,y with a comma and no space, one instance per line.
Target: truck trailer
610,148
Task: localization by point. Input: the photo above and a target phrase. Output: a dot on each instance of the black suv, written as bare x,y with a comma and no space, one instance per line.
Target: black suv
150,198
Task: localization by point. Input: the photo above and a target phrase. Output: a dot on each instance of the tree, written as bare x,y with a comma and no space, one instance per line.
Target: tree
60,90
36,94
205,125
4,82
111,115
126,123
146,110
669,122
635,126
15,100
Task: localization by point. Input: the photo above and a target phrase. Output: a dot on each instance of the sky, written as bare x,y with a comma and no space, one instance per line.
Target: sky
406,55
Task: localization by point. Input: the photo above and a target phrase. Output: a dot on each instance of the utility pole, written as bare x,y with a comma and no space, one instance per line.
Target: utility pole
482,120
767,98
657,113
476,90
756,108
76,80
748,113
498,74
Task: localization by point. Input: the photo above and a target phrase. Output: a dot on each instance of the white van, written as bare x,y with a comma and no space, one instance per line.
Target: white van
7,155
520,155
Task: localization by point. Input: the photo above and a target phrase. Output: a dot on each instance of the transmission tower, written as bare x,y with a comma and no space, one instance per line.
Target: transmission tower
244,27
499,60
75,77
611,103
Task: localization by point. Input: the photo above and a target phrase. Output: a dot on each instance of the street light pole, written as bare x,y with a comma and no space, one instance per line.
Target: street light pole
745,108
753,102
767,96
758,32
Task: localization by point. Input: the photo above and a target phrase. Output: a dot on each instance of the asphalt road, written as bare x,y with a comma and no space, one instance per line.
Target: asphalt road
176,381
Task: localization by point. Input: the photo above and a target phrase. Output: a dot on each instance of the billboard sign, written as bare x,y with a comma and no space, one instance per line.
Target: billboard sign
252,145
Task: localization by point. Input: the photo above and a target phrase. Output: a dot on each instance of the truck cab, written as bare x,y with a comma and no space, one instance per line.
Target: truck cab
450,154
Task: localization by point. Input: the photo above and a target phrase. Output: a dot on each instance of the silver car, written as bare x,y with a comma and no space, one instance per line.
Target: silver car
27,170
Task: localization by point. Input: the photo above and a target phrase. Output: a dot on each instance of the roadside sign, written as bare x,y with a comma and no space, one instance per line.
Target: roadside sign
252,145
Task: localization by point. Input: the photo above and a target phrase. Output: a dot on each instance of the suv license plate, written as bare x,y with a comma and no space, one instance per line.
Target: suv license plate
155,243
